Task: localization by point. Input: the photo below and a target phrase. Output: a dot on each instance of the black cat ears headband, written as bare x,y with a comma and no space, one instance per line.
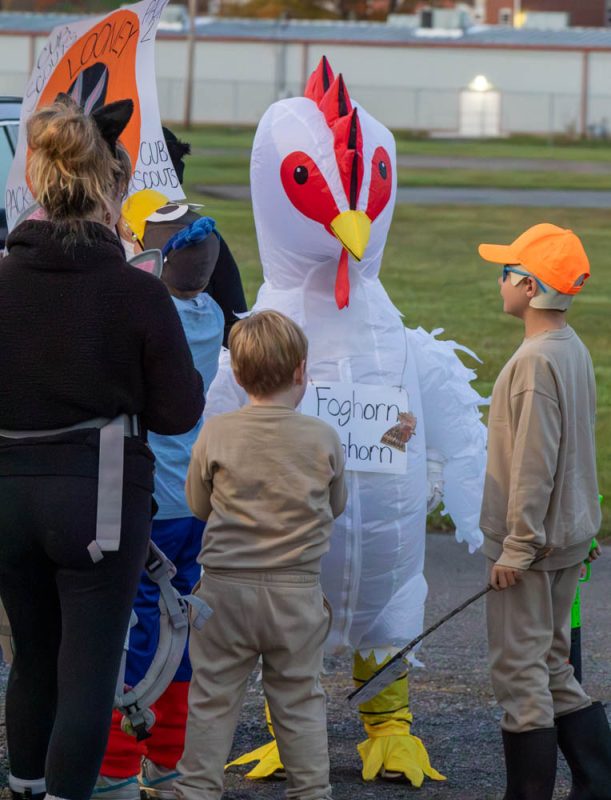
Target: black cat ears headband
111,120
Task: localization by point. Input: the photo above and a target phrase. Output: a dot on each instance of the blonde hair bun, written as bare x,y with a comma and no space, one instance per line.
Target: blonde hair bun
72,172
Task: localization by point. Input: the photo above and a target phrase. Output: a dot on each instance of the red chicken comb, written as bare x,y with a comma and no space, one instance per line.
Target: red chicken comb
319,82
349,155
331,96
336,102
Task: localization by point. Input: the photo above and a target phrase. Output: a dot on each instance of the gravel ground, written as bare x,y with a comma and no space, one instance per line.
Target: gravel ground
454,709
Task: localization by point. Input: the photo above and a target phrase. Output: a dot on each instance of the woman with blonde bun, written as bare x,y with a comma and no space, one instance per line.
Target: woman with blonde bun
93,356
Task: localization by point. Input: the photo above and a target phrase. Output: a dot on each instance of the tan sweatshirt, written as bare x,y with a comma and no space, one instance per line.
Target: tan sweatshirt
269,481
541,488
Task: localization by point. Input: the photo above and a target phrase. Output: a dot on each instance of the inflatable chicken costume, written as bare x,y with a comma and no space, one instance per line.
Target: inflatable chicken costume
323,180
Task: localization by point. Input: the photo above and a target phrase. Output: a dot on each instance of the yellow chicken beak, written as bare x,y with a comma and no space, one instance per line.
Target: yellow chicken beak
352,228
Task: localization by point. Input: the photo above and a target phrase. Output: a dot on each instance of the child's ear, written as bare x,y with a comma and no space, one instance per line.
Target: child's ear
531,287
299,374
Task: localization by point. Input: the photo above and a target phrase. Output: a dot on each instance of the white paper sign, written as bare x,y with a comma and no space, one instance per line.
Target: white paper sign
99,60
373,422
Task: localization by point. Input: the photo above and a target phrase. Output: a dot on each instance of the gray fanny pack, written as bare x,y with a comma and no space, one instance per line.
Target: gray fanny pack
110,474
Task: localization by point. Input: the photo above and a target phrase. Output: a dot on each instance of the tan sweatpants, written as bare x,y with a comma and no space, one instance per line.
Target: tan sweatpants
529,641
281,617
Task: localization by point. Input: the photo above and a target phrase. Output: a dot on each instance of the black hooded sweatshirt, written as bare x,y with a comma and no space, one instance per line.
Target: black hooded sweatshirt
83,335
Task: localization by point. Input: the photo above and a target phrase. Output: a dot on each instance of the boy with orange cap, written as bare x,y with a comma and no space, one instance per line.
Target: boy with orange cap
540,512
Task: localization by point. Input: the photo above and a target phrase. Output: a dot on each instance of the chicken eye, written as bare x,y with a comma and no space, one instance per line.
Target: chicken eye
314,199
380,188
301,175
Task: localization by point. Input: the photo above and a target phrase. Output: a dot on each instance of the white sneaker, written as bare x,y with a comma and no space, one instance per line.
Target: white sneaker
156,782
107,788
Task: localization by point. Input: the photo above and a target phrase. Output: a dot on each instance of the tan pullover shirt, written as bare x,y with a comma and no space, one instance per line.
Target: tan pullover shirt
269,481
541,488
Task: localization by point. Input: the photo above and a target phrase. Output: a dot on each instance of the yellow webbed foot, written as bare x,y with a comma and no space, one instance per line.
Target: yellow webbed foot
269,764
392,749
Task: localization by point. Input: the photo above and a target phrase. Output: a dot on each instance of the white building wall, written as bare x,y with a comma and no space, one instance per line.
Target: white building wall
14,64
599,97
405,87
416,87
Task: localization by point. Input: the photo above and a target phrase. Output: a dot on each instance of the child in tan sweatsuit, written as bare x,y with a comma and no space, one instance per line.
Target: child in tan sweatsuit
540,512
269,481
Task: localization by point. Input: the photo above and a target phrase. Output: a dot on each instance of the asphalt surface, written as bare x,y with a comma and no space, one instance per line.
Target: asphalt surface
456,196
455,713
440,196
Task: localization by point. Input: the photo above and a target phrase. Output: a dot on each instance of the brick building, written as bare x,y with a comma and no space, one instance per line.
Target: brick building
583,13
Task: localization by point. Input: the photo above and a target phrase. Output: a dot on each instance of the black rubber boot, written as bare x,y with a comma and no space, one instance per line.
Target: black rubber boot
530,760
585,740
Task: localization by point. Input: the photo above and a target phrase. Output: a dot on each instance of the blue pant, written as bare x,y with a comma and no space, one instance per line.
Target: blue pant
181,541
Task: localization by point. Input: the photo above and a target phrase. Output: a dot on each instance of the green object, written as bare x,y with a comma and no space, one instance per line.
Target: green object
576,610
576,607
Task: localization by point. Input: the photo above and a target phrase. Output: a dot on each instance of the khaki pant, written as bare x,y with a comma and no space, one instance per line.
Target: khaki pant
529,641
281,617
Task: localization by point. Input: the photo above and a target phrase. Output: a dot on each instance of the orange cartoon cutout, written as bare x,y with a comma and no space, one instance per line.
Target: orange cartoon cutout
99,68
400,434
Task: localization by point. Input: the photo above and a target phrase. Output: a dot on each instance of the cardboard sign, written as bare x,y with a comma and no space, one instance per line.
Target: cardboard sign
373,422
97,61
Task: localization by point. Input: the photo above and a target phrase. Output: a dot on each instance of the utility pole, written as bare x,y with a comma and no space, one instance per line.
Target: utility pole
190,63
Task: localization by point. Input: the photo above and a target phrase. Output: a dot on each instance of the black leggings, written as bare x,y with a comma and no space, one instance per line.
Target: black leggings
69,618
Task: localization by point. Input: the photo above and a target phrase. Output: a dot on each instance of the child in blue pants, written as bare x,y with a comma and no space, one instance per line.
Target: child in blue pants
129,764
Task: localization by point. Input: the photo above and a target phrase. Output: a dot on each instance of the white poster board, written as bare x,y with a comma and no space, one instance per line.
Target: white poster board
373,422
99,60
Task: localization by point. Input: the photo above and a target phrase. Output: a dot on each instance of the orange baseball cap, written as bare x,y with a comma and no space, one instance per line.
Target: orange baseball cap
554,255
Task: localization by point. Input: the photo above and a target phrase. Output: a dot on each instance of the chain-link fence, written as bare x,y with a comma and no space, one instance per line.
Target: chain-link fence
423,110
435,111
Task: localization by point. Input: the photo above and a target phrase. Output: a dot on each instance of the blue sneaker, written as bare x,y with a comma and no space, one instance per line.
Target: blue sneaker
107,788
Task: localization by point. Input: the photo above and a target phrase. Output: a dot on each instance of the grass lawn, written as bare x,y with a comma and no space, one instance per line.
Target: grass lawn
222,169
217,136
433,274
502,179
234,170
529,147
240,138
232,166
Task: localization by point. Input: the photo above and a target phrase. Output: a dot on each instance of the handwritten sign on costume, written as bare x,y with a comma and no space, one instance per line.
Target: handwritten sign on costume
362,414
96,61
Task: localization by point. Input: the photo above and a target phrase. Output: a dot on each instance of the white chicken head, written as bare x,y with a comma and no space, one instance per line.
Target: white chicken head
323,181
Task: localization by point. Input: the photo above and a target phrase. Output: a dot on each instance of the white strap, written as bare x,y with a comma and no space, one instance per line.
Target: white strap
110,490
21,785
201,611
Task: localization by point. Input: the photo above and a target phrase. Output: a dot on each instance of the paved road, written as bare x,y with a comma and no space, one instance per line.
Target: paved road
504,164
461,162
548,198
439,196
454,710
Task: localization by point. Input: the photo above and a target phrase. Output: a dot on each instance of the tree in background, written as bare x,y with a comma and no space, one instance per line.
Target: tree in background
60,6
328,9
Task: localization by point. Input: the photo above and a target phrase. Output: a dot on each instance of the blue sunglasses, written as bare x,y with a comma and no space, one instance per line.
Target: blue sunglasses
510,268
